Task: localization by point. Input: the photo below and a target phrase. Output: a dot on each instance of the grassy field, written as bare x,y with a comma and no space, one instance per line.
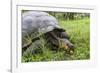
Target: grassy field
79,33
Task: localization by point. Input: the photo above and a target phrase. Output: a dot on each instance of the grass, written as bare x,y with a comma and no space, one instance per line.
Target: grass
79,33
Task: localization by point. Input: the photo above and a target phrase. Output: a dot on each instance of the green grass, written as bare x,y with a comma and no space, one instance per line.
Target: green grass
79,33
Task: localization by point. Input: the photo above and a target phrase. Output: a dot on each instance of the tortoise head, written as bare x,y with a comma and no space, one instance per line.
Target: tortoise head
61,39
65,43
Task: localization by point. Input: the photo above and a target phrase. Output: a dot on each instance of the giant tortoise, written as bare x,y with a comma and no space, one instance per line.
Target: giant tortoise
36,24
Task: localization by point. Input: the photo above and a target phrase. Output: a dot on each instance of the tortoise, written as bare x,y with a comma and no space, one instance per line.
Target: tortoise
38,23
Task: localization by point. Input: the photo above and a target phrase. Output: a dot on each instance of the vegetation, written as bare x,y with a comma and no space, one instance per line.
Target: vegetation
78,29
